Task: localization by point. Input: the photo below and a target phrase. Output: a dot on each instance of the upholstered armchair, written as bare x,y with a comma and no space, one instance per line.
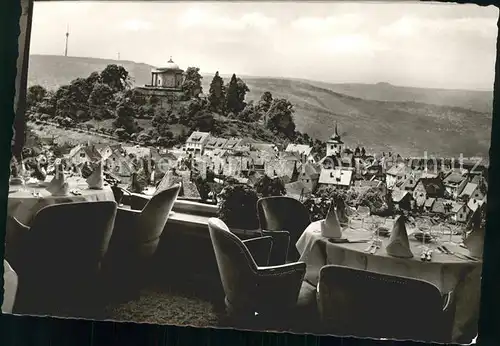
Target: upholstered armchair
58,258
283,214
136,236
10,282
367,304
253,290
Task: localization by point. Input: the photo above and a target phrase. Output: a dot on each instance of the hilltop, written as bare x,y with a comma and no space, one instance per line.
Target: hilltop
381,116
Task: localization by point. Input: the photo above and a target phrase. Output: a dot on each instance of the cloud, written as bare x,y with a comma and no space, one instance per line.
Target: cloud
350,44
137,25
196,17
343,23
413,26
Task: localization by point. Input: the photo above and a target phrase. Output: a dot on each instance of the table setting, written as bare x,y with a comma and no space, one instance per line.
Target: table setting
53,185
401,246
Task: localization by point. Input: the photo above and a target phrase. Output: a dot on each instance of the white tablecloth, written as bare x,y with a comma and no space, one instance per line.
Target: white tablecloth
447,272
24,205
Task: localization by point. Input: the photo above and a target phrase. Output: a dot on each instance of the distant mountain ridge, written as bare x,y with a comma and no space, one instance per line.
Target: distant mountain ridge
380,116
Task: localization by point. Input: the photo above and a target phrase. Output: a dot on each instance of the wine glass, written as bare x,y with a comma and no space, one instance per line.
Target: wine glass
376,223
363,212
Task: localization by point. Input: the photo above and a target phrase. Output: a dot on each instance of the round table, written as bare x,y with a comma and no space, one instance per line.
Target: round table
25,201
447,272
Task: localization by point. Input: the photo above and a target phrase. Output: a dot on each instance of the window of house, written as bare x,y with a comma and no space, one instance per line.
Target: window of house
82,155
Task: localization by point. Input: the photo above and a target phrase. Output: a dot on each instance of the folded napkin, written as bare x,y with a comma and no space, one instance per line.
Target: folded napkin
58,186
399,246
341,212
475,240
96,178
330,226
166,181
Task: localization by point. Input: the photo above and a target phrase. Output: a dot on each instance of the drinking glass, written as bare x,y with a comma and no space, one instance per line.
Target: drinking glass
363,212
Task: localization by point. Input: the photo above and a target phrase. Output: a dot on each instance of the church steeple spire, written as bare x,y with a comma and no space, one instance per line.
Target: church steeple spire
336,136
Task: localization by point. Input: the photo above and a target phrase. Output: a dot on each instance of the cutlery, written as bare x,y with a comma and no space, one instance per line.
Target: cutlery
354,241
458,255
368,249
375,247
426,255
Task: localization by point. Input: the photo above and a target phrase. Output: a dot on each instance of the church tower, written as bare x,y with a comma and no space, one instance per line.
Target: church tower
334,145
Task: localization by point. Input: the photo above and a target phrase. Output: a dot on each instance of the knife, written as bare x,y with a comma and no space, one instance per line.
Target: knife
459,255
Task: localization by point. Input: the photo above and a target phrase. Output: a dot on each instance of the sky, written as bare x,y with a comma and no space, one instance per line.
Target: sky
412,44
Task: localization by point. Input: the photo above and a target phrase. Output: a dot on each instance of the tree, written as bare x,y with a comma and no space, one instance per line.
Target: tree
35,95
232,102
217,94
125,118
235,97
280,119
100,95
94,78
48,104
265,102
192,82
249,113
116,77
238,206
267,187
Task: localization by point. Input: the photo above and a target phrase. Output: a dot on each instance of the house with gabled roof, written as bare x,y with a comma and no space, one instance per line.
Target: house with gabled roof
214,143
336,177
429,203
309,175
473,204
429,187
105,150
302,150
410,183
232,143
401,199
395,174
119,164
298,190
473,191
454,184
81,154
136,151
282,168
196,142
460,212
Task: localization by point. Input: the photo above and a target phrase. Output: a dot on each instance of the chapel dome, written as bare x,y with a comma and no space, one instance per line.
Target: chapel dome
171,65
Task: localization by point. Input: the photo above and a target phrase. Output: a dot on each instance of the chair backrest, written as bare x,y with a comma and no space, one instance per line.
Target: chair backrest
234,261
281,213
10,282
71,237
368,304
155,214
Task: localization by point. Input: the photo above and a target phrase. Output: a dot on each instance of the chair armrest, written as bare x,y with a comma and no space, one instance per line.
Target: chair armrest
281,243
280,285
260,248
136,201
15,237
449,300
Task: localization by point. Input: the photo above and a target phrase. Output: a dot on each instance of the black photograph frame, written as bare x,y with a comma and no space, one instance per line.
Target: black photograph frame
44,331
